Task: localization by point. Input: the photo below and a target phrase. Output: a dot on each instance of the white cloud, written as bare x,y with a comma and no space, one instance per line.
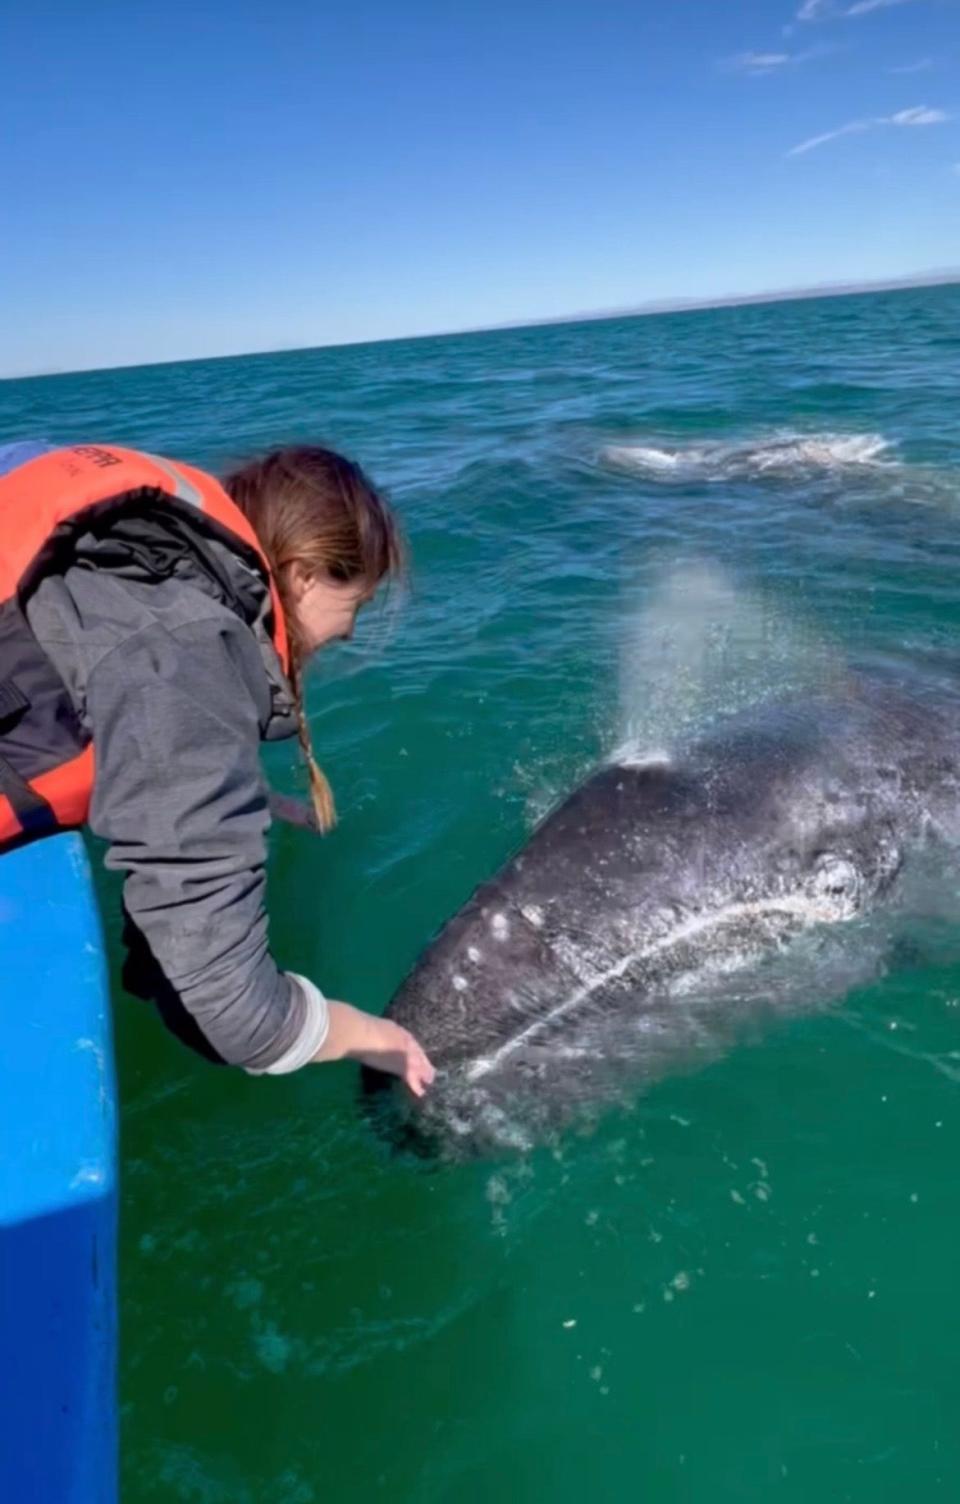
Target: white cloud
843,130
761,62
822,10
772,62
864,7
922,65
917,115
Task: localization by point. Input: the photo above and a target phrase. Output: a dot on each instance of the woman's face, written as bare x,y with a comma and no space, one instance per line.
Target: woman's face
326,611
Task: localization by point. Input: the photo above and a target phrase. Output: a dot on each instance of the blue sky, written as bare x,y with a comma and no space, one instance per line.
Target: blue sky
219,178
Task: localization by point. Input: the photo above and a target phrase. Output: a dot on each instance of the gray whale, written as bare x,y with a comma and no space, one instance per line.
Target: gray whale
664,906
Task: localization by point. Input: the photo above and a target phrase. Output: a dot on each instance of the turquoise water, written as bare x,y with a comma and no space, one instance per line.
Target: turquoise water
740,1287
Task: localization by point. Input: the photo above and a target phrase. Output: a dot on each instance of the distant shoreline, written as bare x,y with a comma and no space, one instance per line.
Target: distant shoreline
946,278
735,300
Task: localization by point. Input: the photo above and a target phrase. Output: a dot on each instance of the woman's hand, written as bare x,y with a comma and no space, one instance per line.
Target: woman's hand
378,1042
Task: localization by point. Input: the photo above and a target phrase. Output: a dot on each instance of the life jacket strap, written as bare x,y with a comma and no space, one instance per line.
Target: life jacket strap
34,814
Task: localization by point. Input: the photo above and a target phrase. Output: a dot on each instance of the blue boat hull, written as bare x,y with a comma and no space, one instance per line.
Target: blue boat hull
58,1438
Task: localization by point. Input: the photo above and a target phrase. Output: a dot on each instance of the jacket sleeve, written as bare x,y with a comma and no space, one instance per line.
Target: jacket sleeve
180,798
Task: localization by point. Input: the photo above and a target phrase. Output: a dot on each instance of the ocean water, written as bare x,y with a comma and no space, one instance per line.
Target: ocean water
740,1285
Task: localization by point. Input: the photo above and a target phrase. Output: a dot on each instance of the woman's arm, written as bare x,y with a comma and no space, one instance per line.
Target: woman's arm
175,698
180,797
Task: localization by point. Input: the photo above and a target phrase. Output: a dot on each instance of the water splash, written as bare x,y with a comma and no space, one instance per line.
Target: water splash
781,456
701,647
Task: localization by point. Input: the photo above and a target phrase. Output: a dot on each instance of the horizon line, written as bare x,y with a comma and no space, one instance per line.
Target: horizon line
656,307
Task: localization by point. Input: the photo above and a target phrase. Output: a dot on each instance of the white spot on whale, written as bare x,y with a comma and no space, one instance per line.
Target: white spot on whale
533,914
473,954
499,928
460,984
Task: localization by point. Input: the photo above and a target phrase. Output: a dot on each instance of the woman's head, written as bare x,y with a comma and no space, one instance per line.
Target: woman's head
329,536
330,540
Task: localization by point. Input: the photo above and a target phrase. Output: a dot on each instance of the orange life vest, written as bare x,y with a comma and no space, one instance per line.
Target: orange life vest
46,757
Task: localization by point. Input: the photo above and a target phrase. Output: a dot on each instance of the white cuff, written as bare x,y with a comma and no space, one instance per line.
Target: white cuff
316,1024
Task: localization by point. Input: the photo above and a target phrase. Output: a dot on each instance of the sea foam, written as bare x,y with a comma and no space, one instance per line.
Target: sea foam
778,455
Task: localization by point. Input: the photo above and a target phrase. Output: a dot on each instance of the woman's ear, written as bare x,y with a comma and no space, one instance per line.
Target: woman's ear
299,580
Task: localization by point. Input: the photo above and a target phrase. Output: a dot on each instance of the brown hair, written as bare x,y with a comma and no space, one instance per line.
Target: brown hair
312,506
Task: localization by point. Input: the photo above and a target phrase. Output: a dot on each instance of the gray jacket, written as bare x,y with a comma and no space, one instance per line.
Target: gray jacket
176,680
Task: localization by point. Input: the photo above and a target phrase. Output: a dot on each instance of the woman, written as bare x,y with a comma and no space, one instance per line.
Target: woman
154,625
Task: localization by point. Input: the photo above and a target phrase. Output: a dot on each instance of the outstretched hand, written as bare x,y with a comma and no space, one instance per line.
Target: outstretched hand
377,1042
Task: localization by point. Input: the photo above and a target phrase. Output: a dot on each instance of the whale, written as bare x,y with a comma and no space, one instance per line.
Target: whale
666,906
